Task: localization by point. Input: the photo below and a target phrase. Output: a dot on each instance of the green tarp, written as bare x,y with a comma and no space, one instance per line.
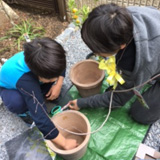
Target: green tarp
120,136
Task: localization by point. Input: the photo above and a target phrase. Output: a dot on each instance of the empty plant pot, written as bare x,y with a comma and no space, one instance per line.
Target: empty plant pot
76,122
87,77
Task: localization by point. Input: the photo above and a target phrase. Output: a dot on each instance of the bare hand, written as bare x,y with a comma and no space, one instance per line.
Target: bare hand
54,92
73,105
64,142
70,144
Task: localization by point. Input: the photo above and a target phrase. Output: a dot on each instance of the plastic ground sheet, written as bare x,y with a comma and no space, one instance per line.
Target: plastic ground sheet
120,136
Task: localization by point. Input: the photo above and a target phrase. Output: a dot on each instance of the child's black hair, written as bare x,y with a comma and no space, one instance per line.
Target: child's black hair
45,57
106,28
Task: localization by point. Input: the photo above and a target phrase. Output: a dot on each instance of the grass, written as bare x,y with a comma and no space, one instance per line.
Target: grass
19,30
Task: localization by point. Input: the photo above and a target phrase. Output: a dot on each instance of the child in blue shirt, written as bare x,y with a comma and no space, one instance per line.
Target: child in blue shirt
28,76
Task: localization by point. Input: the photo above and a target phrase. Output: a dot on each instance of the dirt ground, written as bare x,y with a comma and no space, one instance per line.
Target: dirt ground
50,21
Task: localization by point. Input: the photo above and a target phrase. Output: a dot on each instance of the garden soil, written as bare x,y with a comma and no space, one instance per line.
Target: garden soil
48,20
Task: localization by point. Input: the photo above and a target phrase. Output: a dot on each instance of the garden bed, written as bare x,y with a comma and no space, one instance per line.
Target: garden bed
52,25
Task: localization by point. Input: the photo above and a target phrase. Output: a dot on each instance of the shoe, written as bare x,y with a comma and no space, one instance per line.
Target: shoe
26,117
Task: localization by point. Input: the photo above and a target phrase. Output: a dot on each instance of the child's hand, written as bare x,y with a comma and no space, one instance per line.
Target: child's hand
70,144
64,142
73,105
54,92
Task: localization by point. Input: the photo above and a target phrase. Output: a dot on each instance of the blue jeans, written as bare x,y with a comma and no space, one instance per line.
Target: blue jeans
14,100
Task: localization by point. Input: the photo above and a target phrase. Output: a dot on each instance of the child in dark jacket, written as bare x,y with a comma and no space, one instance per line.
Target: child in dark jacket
30,75
131,35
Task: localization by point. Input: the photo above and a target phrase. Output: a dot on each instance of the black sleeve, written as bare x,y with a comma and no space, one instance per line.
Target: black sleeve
100,100
28,85
103,100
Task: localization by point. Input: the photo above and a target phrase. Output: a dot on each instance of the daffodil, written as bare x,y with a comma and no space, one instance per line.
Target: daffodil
74,10
77,21
75,17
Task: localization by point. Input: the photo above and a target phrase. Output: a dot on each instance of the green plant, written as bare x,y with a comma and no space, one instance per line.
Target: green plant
78,15
25,27
3,38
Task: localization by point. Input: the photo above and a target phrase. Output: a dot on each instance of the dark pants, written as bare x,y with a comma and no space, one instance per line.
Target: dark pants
147,116
14,100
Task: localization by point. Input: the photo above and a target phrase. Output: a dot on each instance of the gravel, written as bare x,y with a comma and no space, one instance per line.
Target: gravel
76,50
153,137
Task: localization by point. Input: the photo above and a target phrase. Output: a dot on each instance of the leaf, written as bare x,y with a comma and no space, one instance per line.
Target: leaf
140,98
24,27
3,38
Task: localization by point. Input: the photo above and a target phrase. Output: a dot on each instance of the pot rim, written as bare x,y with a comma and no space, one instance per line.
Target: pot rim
85,142
87,86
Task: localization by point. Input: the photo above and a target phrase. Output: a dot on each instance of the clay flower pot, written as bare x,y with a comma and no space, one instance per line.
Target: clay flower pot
73,121
87,77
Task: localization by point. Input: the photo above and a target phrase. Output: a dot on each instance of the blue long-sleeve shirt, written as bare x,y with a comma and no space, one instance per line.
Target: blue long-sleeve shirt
15,74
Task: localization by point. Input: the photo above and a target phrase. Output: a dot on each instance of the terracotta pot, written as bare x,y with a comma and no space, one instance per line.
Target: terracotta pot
87,77
76,122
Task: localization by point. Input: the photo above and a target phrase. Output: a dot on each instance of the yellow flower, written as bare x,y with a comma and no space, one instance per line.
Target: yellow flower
75,17
74,10
78,21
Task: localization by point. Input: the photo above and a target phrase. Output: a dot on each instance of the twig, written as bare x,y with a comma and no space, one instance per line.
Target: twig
82,134
38,104
130,89
109,111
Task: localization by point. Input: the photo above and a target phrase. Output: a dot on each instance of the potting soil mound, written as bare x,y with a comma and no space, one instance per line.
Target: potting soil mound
120,136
